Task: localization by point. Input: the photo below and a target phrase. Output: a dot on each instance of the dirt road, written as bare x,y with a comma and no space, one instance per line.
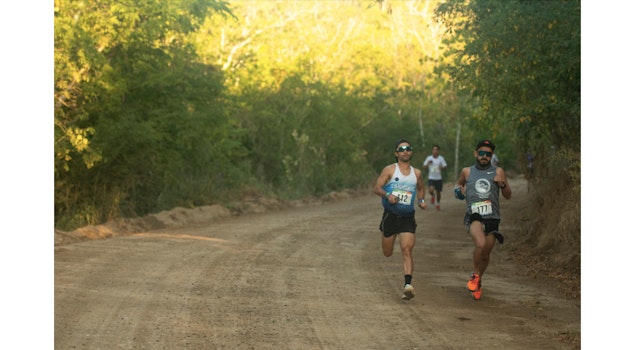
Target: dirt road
303,278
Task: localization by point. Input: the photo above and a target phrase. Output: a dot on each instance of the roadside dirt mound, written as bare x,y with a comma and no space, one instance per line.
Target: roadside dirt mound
179,217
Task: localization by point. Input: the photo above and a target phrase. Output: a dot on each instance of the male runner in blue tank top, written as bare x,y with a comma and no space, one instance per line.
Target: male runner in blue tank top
479,185
400,186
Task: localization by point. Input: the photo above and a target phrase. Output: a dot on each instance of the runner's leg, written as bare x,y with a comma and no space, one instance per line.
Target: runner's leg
431,191
387,244
483,246
407,243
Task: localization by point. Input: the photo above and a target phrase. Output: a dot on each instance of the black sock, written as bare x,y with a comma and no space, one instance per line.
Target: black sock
408,278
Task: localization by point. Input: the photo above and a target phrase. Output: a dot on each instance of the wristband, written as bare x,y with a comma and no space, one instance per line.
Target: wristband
458,194
421,201
386,195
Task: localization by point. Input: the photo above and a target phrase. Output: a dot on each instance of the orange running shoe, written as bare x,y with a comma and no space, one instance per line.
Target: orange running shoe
432,199
477,295
474,282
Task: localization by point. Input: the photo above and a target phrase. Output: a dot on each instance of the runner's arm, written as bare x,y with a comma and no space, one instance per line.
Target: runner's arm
383,178
501,179
421,191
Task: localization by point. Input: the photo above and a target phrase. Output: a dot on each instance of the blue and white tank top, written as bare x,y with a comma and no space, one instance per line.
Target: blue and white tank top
405,188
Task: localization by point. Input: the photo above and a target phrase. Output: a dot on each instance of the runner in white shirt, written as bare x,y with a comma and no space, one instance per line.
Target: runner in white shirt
495,159
435,163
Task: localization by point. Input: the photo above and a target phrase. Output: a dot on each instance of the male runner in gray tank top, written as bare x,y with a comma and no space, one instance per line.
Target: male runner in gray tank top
480,185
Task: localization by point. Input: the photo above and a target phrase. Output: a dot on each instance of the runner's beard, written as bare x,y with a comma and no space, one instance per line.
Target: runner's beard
482,166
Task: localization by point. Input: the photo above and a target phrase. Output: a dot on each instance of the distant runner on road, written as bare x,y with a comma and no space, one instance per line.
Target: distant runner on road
435,163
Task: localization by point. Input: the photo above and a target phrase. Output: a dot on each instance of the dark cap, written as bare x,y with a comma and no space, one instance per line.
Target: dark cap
487,143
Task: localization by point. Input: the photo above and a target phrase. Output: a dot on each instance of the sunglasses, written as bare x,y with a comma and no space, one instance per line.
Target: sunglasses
404,148
485,153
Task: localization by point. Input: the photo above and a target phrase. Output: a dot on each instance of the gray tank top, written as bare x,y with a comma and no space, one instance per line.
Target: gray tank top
482,193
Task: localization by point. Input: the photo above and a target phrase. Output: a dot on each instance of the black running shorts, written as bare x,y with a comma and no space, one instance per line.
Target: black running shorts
392,224
489,225
437,184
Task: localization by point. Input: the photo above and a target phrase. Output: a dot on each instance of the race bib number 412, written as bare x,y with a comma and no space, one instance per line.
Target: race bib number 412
404,197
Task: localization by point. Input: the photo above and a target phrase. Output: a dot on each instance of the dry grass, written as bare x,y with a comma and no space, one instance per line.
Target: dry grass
548,229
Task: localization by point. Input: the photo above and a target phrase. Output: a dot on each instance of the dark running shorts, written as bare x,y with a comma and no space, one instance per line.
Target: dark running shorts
489,225
392,224
437,184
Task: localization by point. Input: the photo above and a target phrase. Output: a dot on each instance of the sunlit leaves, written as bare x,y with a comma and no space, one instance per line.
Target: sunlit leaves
125,79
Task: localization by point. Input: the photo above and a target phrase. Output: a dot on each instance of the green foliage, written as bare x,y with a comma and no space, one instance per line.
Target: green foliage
164,104
522,60
319,85
134,110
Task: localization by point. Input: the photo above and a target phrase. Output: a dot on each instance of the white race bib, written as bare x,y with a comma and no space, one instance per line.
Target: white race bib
483,208
403,196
